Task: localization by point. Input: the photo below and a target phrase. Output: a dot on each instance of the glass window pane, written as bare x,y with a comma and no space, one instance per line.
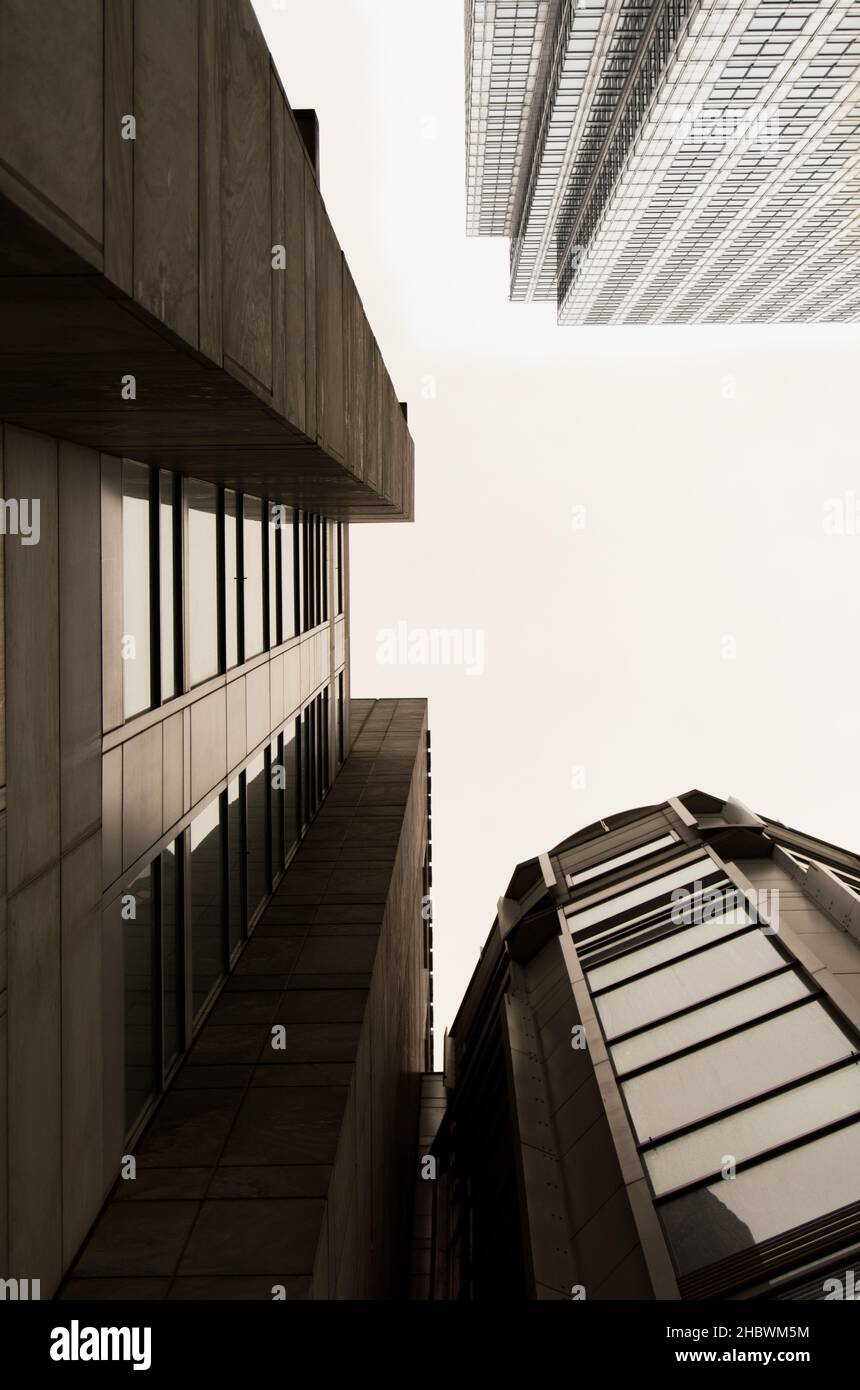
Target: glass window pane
667,948
697,899
231,572
202,580
291,808
310,574
258,795
287,532
171,952
606,867
138,953
707,1021
679,986
338,584
235,865
167,596
755,1130
207,941
340,718
301,570
253,586
273,538
320,757
136,589
307,765
655,888
323,570
762,1056
278,790
788,1191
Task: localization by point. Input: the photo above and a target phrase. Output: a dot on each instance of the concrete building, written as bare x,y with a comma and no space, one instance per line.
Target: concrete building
653,1081
669,161
215,998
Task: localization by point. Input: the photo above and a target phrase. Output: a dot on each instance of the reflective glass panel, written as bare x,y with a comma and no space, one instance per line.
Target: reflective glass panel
606,867
167,524
654,888
707,1021
207,941
137,915
235,865
233,583
137,596
762,1056
787,1191
754,1131
253,562
172,952
202,580
667,948
257,795
679,986
287,532
291,809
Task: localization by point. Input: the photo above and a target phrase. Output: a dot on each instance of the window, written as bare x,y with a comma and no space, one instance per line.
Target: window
136,910
338,569
232,581
202,512
735,1068
678,986
606,867
278,792
307,768
310,574
292,812
340,748
698,869
786,1191
137,588
289,575
235,865
675,943
301,542
207,940
252,560
257,796
273,539
321,720
323,571
748,1003
172,954
756,1129
168,536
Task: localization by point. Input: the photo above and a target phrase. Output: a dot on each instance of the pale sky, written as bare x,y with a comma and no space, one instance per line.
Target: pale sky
708,460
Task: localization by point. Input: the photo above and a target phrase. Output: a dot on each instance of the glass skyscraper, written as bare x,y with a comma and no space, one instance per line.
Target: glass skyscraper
669,161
